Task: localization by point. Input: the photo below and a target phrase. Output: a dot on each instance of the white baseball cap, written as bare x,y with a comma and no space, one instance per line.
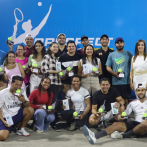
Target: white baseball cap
29,35
140,85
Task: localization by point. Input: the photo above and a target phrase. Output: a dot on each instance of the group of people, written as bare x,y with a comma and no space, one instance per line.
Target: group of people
83,79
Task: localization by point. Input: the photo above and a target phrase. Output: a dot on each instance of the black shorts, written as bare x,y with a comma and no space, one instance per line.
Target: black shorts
124,90
132,124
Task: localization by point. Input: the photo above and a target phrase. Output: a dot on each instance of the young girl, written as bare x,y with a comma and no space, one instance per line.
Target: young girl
35,64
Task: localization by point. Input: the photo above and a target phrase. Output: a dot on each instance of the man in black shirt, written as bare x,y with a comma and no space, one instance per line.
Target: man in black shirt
103,54
106,95
62,47
71,57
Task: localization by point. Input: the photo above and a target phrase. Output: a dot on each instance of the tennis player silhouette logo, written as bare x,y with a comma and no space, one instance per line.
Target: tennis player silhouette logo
27,27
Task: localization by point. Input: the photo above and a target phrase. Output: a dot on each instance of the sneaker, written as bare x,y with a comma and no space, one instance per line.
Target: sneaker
115,134
37,130
119,136
22,132
89,134
57,127
72,127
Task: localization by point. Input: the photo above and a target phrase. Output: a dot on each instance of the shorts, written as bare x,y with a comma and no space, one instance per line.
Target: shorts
124,90
16,119
108,116
132,124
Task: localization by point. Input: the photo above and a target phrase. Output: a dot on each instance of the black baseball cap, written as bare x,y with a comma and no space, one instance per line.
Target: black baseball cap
83,37
104,35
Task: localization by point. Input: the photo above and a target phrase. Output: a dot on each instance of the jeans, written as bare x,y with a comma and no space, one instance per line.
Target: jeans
42,119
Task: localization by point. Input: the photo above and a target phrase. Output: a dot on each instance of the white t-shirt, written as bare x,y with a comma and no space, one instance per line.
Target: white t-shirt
138,108
78,98
9,103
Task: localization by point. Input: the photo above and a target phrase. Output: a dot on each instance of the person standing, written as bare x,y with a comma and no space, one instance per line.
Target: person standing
138,72
103,54
118,64
61,38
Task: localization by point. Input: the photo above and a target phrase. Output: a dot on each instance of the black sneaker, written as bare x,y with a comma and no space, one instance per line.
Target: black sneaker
57,127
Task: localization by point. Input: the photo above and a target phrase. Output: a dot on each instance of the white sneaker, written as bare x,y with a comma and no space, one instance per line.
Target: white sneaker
115,134
72,127
89,134
22,132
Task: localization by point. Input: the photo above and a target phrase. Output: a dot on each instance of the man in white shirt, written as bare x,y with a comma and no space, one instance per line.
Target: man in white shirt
10,105
137,127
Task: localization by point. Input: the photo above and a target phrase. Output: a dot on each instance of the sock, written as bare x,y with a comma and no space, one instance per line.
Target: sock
128,134
100,134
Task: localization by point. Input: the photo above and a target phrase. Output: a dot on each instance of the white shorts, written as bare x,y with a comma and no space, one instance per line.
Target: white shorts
108,116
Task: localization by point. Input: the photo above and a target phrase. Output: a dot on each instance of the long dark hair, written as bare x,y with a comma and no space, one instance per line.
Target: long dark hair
35,53
22,47
49,49
6,58
94,59
136,49
40,86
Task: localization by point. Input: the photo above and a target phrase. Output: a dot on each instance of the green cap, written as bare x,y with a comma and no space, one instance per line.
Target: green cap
94,69
124,113
144,114
0,69
100,110
119,70
9,38
24,66
50,107
68,68
35,65
18,91
60,73
75,114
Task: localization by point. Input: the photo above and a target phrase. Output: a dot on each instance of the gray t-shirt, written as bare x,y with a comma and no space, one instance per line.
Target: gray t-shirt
121,60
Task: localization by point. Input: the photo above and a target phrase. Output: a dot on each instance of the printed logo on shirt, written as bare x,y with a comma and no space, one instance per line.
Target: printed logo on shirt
15,104
119,60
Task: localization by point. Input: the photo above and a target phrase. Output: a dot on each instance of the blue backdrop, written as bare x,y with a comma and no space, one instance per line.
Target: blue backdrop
75,18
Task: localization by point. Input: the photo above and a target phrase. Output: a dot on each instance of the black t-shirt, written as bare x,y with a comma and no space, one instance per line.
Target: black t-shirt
102,55
110,97
66,60
62,52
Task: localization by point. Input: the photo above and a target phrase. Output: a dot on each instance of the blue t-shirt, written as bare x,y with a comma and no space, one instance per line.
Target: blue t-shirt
121,60
2,56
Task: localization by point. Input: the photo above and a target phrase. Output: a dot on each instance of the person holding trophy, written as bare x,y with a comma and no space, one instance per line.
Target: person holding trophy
35,64
118,64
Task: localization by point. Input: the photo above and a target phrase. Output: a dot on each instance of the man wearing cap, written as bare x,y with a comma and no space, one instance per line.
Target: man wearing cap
62,47
84,42
118,64
138,127
103,54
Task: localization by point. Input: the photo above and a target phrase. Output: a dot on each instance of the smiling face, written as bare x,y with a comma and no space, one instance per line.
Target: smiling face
104,41
16,85
20,50
141,47
38,47
119,45
89,51
71,48
76,82
85,42
105,85
140,92
46,83
11,58
54,48
29,41
61,39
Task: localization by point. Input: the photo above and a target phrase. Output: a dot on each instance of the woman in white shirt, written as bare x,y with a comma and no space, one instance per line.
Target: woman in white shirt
90,68
79,101
138,72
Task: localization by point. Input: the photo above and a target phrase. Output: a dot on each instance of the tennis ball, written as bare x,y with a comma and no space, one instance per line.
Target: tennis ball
94,69
0,69
49,107
60,73
75,114
144,114
9,38
69,68
124,114
35,65
24,66
100,110
58,57
18,91
119,70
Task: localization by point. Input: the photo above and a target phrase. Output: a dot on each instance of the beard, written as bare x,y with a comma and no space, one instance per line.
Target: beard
141,97
120,48
61,43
